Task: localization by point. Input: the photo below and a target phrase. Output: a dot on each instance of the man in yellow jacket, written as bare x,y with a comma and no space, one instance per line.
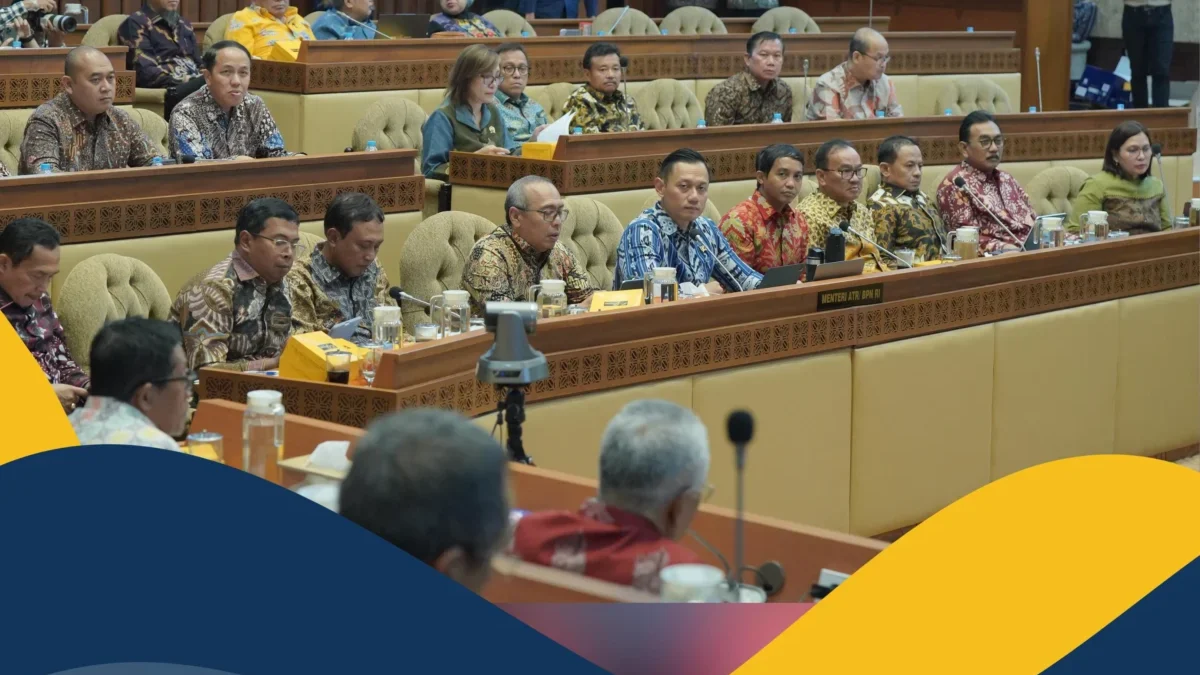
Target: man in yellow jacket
271,30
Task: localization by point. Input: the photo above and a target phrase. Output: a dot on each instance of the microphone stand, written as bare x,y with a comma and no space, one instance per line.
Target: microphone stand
805,90
1163,177
971,196
870,241
513,405
1037,56
360,24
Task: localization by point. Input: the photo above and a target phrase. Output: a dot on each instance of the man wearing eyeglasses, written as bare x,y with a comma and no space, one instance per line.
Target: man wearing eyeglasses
858,89
525,250
141,386
524,117
238,315
840,173
990,199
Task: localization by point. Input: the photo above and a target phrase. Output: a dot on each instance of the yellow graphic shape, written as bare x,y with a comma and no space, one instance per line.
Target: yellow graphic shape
1008,579
30,414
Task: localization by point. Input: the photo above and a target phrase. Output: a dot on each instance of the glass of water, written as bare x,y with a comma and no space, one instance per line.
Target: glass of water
370,362
206,444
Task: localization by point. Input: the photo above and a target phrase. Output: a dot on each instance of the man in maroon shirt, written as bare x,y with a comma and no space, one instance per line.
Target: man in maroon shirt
653,467
29,256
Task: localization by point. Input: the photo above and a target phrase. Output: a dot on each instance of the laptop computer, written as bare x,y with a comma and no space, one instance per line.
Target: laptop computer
402,26
787,275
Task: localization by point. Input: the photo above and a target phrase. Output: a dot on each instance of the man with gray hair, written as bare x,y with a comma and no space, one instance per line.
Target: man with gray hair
435,486
858,88
525,249
653,467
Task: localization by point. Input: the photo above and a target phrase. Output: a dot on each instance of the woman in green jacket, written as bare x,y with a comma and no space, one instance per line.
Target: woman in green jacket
1134,200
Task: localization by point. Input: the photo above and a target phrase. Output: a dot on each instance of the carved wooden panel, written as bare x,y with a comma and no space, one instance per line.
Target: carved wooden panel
32,90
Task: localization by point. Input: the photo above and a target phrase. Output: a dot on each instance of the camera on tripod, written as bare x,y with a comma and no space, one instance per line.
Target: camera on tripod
63,23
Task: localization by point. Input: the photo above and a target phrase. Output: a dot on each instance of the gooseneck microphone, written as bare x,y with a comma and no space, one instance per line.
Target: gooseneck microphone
740,428
360,24
398,295
961,184
870,241
1156,150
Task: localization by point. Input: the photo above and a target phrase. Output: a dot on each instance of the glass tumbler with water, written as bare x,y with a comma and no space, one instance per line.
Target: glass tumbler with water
388,328
454,309
262,433
551,297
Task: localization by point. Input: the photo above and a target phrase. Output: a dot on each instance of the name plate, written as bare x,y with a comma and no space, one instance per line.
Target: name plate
870,294
606,301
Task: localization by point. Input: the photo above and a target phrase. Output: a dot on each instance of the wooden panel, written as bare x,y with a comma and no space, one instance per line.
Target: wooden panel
734,25
50,60
32,90
1045,25
912,15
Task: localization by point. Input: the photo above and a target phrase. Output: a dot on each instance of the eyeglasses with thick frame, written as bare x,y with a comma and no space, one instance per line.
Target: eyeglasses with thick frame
283,245
849,173
549,215
492,78
986,142
510,69
189,378
881,60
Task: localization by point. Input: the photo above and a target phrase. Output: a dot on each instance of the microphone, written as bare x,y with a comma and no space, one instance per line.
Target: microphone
398,295
962,185
740,428
624,65
870,241
613,29
1037,57
360,24
1156,150
804,91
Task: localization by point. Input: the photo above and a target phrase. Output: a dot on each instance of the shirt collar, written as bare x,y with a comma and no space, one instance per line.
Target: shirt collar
595,509
971,173
667,224
323,270
288,15
109,407
76,116
851,81
523,247
504,98
245,272
207,98
615,97
463,113
768,211
839,209
752,82
897,191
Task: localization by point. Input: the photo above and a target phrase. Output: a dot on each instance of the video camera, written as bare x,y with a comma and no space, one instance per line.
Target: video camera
63,23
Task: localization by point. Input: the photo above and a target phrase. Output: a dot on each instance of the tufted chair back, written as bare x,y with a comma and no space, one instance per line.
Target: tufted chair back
592,233
216,31
692,21
509,23
968,94
103,33
154,126
553,98
435,254
392,123
1055,189
633,23
784,20
668,104
12,130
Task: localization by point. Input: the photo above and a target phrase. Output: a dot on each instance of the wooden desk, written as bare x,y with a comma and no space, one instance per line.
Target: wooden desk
735,25
149,201
603,162
30,77
372,65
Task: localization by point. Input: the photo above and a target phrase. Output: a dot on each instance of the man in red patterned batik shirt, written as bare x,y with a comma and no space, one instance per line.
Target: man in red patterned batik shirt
653,467
766,230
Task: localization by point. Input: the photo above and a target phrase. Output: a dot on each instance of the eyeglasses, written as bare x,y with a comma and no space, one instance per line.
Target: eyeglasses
1144,151
986,142
510,69
550,215
850,173
189,377
282,245
881,60
489,80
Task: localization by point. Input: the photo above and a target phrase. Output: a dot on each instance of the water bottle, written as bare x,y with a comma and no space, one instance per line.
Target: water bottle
777,119
970,29
44,167
701,125
663,31
1033,108
577,131
881,113
348,34
524,33
262,433
157,161
791,31
1120,106
16,44
372,146
948,112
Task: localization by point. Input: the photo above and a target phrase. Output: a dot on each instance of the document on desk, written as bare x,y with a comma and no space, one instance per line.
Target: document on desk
559,127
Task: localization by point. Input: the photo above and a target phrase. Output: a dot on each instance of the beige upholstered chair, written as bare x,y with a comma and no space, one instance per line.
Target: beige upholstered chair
509,23
633,22
154,126
808,185
216,30
392,123
312,17
103,33
553,98
103,288
435,254
692,21
592,233
968,94
668,104
12,130
1054,189
784,20
870,183
711,210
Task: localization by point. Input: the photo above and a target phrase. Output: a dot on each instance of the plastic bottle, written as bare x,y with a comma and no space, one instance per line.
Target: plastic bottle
1120,106
701,125
577,131
777,119
525,33
157,161
881,113
348,34
44,167
1033,108
663,31
948,112
970,29
262,433
372,146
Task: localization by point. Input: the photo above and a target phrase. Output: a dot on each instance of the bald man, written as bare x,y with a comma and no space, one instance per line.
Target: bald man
80,130
858,88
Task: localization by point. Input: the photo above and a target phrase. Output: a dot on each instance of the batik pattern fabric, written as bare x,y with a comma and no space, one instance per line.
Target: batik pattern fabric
467,22
160,54
837,95
232,318
598,113
200,129
108,421
502,267
1000,193
323,297
260,32
742,100
908,219
1136,206
699,254
58,134
521,116
602,542
823,214
41,332
764,237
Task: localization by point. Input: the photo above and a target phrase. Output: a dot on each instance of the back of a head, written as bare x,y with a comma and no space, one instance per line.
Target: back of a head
682,156
349,208
254,216
429,481
973,118
651,452
19,237
821,159
131,352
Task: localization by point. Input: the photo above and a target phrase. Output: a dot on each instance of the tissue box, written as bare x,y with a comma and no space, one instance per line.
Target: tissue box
537,150
304,356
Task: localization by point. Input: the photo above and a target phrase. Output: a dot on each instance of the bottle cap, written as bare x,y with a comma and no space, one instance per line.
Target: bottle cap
948,112
1033,108
263,400
372,144
778,116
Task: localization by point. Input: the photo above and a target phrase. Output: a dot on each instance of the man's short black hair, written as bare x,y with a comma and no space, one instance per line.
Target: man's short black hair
682,156
335,5
429,480
209,60
765,161
973,118
890,148
598,50
131,352
254,216
511,47
18,239
821,159
349,208
763,36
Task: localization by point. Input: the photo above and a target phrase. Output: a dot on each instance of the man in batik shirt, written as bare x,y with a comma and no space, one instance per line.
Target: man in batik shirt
858,88
162,45
600,106
341,279
525,250
990,199
755,95
29,255
222,119
524,117
237,315
675,233
840,175
766,230
79,129
904,215
654,461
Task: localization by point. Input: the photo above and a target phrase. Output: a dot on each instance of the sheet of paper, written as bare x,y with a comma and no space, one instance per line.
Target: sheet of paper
331,455
689,290
559,127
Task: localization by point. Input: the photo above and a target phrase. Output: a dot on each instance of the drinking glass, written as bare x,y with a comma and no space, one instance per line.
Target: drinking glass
337,367
370,362
206,444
